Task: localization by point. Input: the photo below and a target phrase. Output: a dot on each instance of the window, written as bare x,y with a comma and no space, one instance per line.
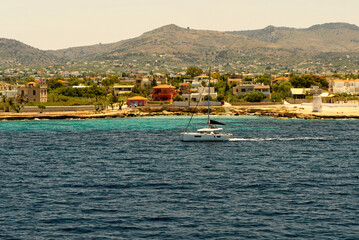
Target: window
33,92
243,90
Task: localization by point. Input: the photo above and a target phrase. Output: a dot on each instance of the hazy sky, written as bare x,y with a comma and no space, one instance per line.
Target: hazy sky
55,24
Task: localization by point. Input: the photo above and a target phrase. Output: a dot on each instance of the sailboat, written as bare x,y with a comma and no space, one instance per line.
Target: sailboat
211,132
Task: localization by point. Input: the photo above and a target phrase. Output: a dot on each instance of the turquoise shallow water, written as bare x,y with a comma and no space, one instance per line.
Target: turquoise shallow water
134,178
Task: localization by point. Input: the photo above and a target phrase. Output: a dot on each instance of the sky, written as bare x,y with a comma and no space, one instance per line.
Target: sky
58,24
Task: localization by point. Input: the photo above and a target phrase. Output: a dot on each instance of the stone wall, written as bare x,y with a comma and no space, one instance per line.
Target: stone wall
59,108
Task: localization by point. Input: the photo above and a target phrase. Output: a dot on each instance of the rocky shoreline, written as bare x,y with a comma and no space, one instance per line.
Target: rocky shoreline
281,111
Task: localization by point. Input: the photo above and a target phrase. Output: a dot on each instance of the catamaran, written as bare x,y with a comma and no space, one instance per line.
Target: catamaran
211,132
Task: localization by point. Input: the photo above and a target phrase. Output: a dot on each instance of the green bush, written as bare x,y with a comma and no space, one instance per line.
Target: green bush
178,98
254,96
17,107
99,106
205,98
41,107
276,97
158,102
220,98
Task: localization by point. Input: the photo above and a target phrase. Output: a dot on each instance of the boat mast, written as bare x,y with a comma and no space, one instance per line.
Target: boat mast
209,90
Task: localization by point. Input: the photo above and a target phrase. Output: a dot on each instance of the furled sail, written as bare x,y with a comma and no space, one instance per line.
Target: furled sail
215,123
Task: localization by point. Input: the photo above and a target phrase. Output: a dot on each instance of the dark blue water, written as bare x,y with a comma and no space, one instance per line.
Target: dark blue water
134,179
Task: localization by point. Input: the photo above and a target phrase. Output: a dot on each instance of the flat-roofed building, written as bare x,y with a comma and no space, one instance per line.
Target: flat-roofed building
33,92
245,88
350,86
120,89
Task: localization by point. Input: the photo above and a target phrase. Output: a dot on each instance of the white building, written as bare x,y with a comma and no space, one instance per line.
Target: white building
8,94
199,96
350,86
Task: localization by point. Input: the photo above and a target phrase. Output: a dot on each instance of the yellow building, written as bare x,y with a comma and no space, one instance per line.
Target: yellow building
33,92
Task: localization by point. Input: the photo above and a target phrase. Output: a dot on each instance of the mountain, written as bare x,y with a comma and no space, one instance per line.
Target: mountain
328,37
13,52
179,43
172,45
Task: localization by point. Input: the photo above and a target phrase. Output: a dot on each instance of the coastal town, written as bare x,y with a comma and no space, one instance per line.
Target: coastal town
29,94
179,119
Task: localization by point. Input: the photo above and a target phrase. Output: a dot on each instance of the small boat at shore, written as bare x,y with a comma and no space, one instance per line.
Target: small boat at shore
210,133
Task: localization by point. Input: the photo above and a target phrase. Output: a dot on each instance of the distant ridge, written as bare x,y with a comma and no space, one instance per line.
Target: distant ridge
327,37
334,26
14,52
173,45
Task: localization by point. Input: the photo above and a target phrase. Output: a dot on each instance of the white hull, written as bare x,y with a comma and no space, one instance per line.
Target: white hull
201,137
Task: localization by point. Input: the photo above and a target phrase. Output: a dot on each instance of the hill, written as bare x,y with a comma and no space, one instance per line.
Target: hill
13,52
178,44
328,37
171,45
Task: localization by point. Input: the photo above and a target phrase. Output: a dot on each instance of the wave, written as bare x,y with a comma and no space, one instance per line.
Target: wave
277,139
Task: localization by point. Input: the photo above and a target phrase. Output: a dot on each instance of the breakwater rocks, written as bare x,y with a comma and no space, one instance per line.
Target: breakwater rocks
268,111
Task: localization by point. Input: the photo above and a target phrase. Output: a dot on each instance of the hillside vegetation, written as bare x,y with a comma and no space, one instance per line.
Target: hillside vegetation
172,45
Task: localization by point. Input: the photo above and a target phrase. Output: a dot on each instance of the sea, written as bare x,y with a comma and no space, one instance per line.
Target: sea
133,178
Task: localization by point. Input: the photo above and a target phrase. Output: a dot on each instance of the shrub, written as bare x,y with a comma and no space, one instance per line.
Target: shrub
17,107
254,96
99,106
205,98
41,107
178,98
277,97
220,98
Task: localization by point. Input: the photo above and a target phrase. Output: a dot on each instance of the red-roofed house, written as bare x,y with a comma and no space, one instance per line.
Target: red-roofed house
136,101
163,93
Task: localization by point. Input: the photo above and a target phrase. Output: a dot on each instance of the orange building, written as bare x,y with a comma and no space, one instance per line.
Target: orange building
163,93
137,101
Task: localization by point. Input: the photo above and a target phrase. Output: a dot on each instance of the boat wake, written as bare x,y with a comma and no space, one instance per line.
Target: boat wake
277,139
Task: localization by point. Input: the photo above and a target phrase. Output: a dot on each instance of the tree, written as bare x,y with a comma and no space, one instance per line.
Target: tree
41,107
120,104
216,75
97,91
254,96
178,98
17,107
154,82
107,83
323,83
30,79
138,90
282,88
302,82
53,84
111,99
263,80
220,98
276,97
99,107
194,71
